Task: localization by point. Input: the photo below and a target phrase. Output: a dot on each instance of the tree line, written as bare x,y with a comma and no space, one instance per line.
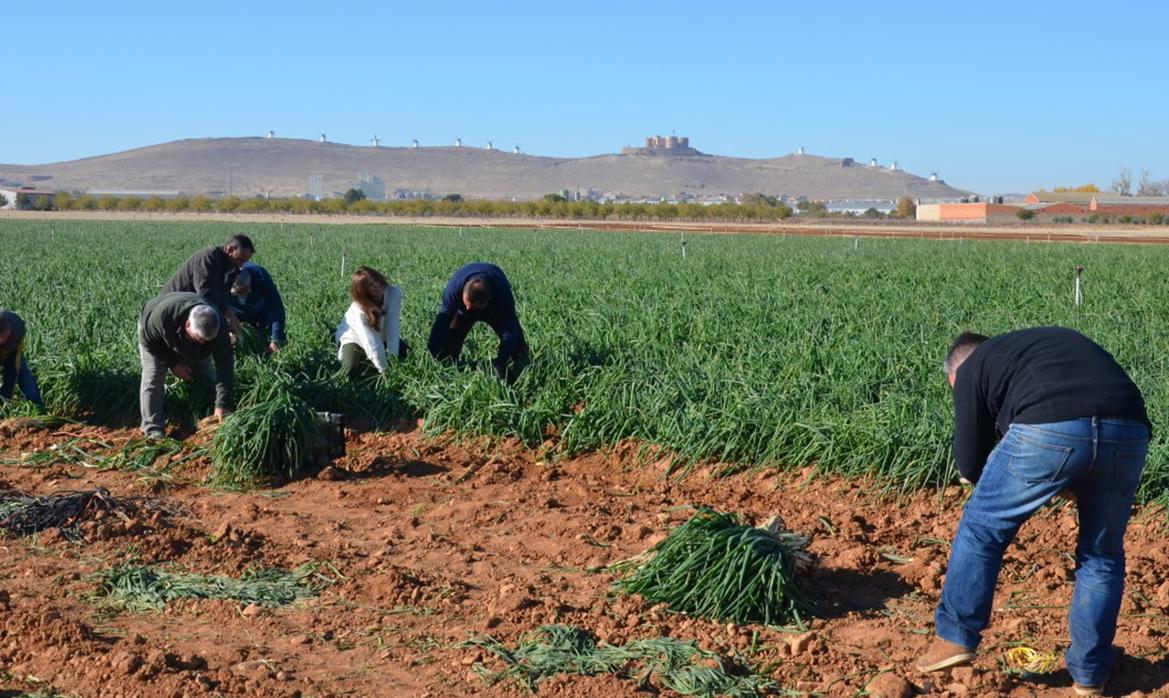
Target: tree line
750,207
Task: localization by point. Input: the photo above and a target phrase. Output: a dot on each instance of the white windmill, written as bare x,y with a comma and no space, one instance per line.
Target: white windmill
414,144
516,150
933,176
323,139
375,141
271,135
490,146
893,166
800,151
458,142
873,162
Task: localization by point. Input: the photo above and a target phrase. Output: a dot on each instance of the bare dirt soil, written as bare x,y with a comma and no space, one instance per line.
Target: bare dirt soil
433,541
1029,232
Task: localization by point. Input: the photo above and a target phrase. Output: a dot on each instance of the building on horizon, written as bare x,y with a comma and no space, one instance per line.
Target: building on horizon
374,188
663,145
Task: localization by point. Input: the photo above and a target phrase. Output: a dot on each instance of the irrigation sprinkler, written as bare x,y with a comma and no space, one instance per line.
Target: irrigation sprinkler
1079,294
683,244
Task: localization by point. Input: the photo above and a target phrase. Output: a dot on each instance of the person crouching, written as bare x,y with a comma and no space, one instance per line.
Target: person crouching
370,331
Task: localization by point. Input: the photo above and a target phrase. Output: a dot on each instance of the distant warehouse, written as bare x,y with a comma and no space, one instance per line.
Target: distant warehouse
982,212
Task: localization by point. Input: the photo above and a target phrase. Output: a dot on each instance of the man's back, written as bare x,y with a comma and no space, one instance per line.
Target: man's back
1035,376
207,272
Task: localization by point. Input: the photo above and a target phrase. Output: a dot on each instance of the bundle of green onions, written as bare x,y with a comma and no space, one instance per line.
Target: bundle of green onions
143,588
248,341
714,567
559,649
267,443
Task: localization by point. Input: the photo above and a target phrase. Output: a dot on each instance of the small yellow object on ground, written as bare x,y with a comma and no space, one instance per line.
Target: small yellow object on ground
1031,661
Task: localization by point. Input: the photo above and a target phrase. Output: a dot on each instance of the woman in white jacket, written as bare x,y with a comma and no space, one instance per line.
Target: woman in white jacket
370,328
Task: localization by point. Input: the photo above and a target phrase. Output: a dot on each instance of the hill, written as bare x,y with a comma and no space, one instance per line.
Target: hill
282,167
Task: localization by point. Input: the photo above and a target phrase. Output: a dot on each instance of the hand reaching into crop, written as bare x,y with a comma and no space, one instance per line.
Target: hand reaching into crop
232,322
183,371
221,413
273,348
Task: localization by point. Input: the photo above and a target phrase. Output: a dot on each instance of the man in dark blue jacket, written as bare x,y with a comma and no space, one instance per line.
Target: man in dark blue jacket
13,364
256,300
479,291
1038,413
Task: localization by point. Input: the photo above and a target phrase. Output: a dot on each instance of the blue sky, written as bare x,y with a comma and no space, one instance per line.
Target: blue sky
996,97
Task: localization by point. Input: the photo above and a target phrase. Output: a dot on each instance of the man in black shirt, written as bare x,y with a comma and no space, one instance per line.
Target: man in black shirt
1038,413
209,273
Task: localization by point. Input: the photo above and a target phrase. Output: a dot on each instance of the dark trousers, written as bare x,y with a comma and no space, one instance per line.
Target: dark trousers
355,365
447,338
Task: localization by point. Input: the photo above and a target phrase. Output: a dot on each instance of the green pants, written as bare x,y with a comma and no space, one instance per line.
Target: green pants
355,365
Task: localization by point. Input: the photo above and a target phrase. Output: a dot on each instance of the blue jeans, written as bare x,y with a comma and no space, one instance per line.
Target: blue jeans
1100,461
22,376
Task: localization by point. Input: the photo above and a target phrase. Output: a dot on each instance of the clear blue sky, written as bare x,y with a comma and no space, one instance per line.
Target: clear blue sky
995,96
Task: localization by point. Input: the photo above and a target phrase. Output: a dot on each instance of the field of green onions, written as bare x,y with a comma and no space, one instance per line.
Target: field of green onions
749,350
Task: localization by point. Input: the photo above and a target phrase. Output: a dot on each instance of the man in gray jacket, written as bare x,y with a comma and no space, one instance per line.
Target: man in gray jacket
181,332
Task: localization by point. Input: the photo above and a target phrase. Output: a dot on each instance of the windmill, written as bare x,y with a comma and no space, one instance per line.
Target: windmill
414,144
323,139
458,142
271,135
490,146
516,150
375,141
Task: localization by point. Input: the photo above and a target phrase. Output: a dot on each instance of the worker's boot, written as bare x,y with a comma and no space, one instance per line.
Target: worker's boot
942,654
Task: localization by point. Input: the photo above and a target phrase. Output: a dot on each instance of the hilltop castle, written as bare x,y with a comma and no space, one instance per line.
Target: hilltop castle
663,145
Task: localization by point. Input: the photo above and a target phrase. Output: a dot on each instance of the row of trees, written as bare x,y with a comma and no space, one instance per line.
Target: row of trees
1145,186
751,207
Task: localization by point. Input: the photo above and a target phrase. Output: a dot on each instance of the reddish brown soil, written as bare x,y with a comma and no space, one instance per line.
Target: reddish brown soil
1028,232
437,541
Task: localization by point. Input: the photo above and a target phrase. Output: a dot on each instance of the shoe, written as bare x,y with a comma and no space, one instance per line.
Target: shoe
942,654
1082,690
154,435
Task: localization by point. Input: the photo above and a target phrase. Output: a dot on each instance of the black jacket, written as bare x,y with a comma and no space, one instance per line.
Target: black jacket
1034,376
209,273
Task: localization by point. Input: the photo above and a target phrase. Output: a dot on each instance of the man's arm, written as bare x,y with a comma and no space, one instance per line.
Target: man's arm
507,325
974,427
276,313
